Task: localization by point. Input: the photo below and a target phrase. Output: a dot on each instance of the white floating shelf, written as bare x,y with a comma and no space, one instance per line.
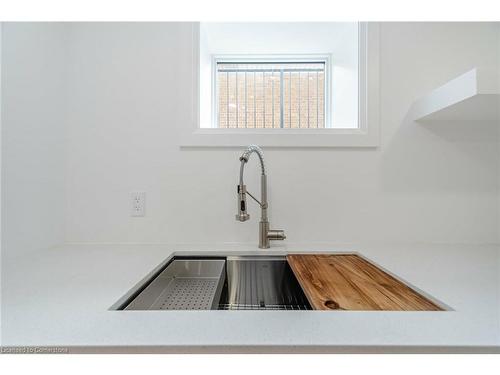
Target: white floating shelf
473,96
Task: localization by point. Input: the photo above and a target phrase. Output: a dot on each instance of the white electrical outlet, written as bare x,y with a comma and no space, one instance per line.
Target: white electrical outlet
138,203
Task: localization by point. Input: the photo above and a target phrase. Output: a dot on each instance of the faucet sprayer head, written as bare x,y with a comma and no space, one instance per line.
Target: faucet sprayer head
242,204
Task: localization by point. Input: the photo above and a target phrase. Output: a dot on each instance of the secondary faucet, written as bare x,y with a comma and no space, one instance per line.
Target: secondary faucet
265,234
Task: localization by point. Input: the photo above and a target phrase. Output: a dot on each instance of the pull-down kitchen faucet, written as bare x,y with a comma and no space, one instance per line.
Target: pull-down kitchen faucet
265,234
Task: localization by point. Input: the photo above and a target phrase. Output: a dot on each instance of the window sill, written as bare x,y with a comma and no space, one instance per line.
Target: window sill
298,138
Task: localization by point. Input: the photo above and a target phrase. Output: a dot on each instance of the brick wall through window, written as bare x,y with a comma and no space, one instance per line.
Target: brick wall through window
270,95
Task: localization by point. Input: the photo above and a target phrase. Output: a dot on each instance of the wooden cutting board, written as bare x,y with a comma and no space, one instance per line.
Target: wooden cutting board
349,282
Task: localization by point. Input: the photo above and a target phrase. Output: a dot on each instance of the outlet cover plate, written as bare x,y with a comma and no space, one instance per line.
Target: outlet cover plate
138,203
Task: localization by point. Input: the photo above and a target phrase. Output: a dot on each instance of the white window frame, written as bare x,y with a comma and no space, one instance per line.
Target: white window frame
323,58
366,135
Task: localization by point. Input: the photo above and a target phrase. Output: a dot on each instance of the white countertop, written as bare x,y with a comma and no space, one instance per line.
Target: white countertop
61,297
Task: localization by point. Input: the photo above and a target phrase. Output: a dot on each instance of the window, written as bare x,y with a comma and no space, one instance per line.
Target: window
270,94
287,84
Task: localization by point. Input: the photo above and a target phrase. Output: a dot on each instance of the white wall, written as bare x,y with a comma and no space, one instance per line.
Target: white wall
34,104
339,40
92,112
127,102
497,69
1,177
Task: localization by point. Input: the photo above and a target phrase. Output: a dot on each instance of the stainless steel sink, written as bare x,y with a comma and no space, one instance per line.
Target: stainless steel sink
261,283
232,283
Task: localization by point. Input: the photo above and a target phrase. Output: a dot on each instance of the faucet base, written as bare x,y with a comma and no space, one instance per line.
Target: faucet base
263,239
266,234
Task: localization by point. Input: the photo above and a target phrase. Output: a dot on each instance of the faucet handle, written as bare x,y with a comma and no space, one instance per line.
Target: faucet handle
276,234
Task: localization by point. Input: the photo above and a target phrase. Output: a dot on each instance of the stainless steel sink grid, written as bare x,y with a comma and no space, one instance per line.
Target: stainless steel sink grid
261,283
186,284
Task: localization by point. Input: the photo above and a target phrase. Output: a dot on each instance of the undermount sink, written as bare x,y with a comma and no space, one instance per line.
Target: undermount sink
220,283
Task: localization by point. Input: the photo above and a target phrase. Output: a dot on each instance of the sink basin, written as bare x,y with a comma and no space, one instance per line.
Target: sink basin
261,283
223,283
